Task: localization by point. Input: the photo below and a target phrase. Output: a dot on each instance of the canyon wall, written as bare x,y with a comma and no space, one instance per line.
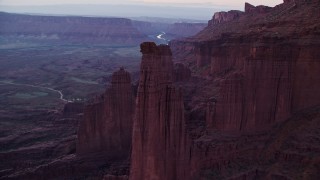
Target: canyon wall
265,72
150,28
107,123
265,65
250,110
159,139
181,72
172,30
257,89
262,73
179,30
115,31
220,17
89,30
264,84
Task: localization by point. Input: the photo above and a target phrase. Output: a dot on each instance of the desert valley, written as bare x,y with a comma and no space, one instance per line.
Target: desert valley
162,99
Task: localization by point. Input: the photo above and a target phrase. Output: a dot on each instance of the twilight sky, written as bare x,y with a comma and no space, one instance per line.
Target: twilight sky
213,2
192,9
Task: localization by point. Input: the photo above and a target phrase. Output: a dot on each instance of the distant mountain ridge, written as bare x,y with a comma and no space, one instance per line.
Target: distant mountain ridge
123,10
112,31
71,29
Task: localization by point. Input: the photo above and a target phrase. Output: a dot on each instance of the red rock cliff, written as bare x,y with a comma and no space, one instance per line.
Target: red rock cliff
158,144
220,17
107,124
265,67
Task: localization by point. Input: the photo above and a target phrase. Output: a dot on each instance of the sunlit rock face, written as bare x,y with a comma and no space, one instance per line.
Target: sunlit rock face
158,144
107,124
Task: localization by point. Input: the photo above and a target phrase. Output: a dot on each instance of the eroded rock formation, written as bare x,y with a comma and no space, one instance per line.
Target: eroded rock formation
264,67
220,17
249,8
253,114
158,144
107,124
260,68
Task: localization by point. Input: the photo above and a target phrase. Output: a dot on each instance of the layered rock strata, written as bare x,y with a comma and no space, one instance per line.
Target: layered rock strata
107,124
159,142
265,72
115,31
260,104
220,17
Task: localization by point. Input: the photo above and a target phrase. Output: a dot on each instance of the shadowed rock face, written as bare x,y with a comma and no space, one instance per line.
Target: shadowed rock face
73,108
258,76
265,84
107,124
261,94
265,73
181,72
158,144
265,66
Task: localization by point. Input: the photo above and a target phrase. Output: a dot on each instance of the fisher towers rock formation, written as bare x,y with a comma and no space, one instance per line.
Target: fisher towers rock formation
107,124
159,139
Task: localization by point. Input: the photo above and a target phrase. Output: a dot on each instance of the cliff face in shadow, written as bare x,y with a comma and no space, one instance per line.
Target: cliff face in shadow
250,110
258,69
158,143
264,62
107,124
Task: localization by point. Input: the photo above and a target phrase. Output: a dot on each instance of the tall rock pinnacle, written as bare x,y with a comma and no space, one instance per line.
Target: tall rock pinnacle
107,124
158,129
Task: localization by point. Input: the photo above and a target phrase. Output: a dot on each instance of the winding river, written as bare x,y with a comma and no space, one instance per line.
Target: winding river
29,85
160,36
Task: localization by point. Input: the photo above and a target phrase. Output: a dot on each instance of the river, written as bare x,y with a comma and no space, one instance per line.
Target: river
29,85
158,38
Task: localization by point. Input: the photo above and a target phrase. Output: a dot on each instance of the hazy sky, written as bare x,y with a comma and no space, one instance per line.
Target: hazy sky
188,9
181,2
